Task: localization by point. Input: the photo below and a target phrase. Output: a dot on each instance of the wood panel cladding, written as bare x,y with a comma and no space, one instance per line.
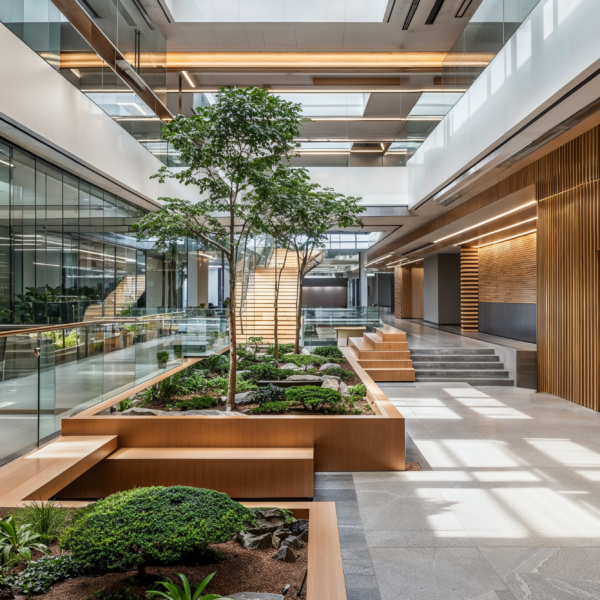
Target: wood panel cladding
408,287
569,238
469,289
508,271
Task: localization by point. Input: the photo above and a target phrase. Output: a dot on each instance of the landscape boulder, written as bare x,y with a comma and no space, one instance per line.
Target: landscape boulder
285,554
136,411
299,528
304,378
344,389
291,367
336,377
255,596
293,542
332,384
244,398
327,366
255,542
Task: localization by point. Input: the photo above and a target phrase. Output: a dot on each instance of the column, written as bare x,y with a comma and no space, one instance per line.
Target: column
362,275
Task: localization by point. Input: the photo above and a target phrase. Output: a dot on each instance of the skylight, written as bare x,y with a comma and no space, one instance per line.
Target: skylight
434,105
330,105
279,11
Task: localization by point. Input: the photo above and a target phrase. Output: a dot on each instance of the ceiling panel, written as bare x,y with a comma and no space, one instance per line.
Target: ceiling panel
390,105
231,37
320,37
279,37
255,37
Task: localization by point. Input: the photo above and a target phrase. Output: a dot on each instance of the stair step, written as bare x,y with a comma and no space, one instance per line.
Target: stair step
462,366
474,381
385,364
460,374
377,343
445,351
456,358
391,374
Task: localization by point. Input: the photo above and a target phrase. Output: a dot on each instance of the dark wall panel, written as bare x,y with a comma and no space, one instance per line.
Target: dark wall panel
515,321
328,297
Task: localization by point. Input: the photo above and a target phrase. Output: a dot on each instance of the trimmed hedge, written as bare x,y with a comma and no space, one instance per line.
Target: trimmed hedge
197,403
271,407
329,352
313,397
339,372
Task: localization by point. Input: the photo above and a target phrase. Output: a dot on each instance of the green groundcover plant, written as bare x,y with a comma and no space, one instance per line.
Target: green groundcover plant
197,403
17,540
313,397
339,372
39,575
304,360
47,519
153,526
283,349
358,390
174,592
271,408
329,352
269,393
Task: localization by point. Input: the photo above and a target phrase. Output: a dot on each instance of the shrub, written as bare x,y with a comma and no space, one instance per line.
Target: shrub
217,363
263,372
283,349
313,397
271,407
162,356
339,372
174,592
303,360
358,390
126,594
18,539
241,385
269,393
47,519
154,525
197,403
39,575
329,352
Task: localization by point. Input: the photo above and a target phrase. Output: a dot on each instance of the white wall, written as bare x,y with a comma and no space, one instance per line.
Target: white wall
41,100
375,185
553,49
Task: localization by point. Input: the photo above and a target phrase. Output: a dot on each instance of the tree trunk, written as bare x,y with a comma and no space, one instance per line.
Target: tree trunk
299,311
232,321
277,286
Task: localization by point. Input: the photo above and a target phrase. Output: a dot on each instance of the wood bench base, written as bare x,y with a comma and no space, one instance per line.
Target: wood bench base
238,472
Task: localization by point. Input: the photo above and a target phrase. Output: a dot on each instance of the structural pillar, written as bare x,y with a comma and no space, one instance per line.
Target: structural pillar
362,279
469,288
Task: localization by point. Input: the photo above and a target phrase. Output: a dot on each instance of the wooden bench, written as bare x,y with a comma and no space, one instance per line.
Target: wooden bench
41,474
238,472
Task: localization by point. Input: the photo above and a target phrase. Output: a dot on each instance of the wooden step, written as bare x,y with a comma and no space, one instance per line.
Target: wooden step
390,334
385,364
366,349
238,472
391,374
379,344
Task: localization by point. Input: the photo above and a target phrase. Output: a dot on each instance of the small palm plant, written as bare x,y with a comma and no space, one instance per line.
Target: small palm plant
174,592
20,539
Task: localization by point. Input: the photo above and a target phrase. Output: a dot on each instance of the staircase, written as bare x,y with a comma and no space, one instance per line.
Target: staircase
123,296
479,366
384,355
256,302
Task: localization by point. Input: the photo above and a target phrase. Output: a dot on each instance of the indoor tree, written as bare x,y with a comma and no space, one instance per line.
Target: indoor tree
232,147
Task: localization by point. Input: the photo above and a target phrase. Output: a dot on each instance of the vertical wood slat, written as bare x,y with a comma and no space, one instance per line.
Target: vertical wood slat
403,292
469,288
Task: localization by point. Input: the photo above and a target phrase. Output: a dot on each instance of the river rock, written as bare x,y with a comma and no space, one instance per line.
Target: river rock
206,412
336,377
290,366
304,378
255,596
285,554
332,384
344,389
327,366
136,411
305,351
299,528
255,542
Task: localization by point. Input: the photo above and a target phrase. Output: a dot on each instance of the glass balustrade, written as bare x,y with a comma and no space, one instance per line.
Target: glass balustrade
51,374
318,324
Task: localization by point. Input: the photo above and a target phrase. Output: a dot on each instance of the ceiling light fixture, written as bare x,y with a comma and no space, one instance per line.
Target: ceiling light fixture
360,90
488,221
188,78
375,118
463,9
413,261
395,262
512,237
6,163
497,231
379,259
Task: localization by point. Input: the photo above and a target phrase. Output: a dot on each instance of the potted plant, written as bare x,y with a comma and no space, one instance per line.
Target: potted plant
163,358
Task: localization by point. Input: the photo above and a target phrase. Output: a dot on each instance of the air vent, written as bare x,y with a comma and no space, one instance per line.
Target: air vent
419,248
411,13
435,11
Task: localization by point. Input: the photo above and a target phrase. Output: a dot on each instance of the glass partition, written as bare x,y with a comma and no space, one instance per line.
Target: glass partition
318,324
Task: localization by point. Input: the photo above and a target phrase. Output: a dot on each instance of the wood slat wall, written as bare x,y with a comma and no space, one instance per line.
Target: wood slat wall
507,271
403,287
469,289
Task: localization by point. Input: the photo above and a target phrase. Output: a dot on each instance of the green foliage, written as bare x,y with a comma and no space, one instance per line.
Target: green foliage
329,352
174,592
196,382
70,340
126,594
154,525
263,372
47,519
313,397
304,360
197,403
123,405
339,372
17,539
358,390
256,341
217,363
271,407
285,373
283,349
163,356
243,385
269,393
39,575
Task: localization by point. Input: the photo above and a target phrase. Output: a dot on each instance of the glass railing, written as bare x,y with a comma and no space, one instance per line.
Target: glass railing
48,374
318,324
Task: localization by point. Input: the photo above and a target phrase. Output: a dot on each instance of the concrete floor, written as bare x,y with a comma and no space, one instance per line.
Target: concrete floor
508,506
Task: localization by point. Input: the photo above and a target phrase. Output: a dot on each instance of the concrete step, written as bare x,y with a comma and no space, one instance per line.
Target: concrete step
446,351
456,358
462,366
461,374
474,381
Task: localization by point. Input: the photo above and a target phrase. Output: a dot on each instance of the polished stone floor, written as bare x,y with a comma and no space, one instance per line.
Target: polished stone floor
510,509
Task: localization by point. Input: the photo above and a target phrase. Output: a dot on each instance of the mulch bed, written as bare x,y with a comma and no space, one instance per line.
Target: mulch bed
242,571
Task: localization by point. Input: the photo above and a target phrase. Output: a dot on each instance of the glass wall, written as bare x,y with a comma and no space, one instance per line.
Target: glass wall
68,253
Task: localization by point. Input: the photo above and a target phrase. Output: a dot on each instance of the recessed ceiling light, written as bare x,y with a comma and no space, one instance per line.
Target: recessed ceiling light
497,231
188,78
512,237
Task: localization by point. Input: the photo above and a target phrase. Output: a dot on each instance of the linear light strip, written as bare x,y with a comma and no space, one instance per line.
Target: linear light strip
413,261
510,212
359,90
497,231
378,260
395,262
188,78
375,118
512,237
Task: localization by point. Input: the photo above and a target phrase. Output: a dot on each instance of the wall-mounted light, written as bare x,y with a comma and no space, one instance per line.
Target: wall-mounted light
510,212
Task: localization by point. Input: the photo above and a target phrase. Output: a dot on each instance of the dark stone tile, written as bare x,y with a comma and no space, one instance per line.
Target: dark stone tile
363,594
352,537
360,582
359,567
335,495
334,481
356,553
